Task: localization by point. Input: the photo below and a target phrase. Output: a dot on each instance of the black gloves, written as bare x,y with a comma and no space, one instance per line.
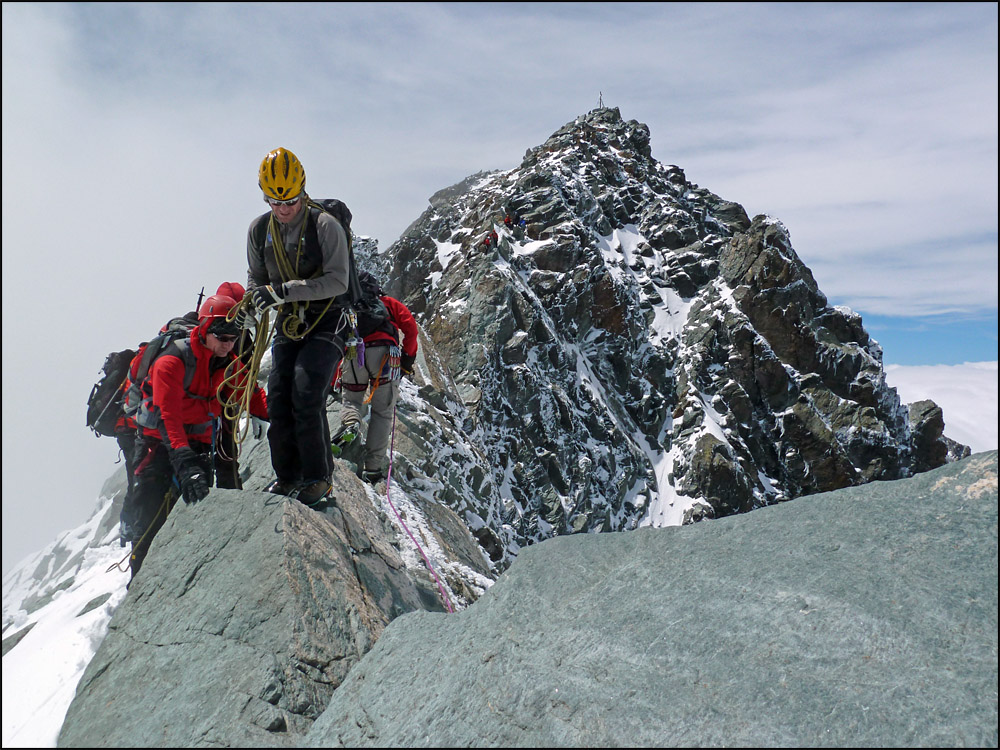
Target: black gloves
406,365
265,297
244,317
191,475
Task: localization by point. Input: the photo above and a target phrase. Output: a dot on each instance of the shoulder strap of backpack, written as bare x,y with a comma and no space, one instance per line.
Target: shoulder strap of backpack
342,213
259,232
153,350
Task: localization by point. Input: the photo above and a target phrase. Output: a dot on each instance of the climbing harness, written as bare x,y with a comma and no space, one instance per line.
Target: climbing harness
388,482
389,367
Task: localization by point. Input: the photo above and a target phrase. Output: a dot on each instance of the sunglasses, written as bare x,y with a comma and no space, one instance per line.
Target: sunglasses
276,202
225,338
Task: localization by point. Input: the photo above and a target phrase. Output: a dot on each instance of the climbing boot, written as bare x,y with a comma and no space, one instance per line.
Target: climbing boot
314,492
281,487
372,476
346,435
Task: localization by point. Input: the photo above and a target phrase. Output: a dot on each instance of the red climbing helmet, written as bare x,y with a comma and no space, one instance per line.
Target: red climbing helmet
216,306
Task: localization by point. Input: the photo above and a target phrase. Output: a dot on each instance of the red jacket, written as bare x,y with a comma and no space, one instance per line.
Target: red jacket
197,407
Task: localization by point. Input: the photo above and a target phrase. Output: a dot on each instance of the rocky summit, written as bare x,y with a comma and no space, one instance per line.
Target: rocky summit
637,352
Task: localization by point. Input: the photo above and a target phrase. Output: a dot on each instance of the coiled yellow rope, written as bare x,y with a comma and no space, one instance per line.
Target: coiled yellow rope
294,322
240,377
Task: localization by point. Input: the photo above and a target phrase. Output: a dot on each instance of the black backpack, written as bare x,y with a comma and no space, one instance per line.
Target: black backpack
104,407
370,310
363,299
177,329
338,210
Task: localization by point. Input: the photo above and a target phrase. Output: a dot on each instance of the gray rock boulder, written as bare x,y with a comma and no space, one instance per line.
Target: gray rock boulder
930,446
249,612
861,617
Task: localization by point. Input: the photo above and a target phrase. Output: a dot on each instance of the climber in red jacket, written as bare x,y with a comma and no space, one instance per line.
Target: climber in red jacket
177,419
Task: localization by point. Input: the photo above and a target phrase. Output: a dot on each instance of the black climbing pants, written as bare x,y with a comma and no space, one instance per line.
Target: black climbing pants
126,443
155,493
227,466
300,379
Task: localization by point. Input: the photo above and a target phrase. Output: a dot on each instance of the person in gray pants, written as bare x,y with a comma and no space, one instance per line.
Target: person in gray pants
369,376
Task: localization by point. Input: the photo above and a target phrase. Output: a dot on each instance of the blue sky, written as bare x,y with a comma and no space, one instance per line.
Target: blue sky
132,134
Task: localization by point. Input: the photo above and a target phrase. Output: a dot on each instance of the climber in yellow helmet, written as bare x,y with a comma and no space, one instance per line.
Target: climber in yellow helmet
298,258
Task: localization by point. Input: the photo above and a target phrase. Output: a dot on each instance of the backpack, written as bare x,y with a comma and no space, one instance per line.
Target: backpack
176,329
338,210
372,314
104,407
363,294
355,297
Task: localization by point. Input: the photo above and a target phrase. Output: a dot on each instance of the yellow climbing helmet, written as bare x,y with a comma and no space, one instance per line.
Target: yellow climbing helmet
282,176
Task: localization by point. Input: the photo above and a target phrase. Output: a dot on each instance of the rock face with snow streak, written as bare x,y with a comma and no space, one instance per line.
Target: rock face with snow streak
641,353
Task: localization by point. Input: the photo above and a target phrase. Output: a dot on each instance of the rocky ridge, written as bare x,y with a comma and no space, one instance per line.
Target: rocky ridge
640,354
251,609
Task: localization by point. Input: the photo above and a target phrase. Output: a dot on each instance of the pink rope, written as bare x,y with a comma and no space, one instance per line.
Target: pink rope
388,480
